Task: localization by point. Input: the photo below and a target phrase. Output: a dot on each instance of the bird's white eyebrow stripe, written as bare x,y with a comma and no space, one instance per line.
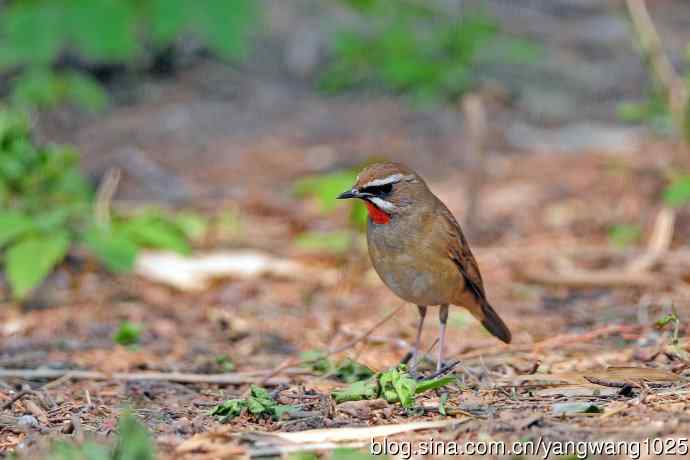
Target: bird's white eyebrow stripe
392,179
382,204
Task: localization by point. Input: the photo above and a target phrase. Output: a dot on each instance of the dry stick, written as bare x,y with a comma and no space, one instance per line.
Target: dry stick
104,196
475,134
221,379
295,361
14,399
673,85
659,242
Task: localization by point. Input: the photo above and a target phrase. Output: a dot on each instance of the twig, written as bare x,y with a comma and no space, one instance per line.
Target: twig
665,74
221,379
14,399
104,196
475,135
659,242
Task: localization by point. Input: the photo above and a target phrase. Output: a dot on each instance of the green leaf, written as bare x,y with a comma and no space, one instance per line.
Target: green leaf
84,91
434,384
30,260
102,30
317,361
677,193
665,320
153,232
127,334
366,389
397,385
168,18
44,88
350,371
192,225
135,441
225,25
624,235
117,252
259,403
442,404
32,33
230,408
12,225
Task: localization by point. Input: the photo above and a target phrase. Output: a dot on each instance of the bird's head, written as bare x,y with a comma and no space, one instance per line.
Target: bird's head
388,189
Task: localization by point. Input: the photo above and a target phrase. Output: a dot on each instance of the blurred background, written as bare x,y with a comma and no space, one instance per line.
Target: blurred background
168,171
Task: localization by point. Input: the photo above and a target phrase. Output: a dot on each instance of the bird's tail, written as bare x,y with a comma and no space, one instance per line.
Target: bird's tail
493,323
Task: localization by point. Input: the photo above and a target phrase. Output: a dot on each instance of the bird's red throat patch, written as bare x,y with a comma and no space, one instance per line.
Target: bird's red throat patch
377,215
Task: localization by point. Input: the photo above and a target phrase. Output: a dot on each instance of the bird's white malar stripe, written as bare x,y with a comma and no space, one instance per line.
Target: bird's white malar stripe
382,204
392,179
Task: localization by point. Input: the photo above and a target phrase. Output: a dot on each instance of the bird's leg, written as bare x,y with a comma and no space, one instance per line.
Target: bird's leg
415,352
443,318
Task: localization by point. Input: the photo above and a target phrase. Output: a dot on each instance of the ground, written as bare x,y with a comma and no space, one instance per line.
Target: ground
583,306
568,334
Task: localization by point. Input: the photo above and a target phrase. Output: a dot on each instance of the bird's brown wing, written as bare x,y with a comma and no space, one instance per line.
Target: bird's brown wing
460,253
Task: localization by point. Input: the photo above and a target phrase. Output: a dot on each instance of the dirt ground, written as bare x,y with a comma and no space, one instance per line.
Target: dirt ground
576,309
584,310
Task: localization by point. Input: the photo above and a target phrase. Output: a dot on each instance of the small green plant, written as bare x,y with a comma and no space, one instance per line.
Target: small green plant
673,319
133,443
346,370
36,37
225,363
677,193
417,49
47,208
624,235
394,385
127,334
259,403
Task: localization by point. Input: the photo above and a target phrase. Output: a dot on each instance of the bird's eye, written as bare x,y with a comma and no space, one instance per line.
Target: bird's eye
378,190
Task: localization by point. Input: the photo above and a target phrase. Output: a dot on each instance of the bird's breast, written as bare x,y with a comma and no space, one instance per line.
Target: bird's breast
410,266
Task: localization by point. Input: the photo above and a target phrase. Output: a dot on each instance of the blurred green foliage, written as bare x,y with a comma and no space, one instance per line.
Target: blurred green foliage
654,109
127,334
346,370
418,49
324,188
38,37
335,242
46,208
677,193
624,235
133,443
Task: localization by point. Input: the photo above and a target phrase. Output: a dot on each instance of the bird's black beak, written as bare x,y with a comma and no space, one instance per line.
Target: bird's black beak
348,194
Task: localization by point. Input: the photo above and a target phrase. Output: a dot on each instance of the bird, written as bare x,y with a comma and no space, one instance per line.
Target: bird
419,250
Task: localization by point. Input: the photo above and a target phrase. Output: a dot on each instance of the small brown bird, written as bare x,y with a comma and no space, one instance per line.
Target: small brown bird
419,250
